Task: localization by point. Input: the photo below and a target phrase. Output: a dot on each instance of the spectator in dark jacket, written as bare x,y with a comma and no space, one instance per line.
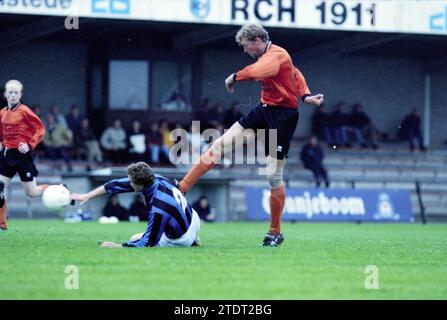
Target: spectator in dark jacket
74,119
138,208
203,209
155,143
411,128
321,125
364,131
340,123
114,209
216,115
312,157
232,115
203,113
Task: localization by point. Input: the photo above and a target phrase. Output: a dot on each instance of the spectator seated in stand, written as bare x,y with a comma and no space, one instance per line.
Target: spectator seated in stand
138,208
165,132
155,144
86,141
176,102
340,123
58,116
216,115
113,141
232,115
204,210
137,143
411,129
114,209
58,140
312,158
365,132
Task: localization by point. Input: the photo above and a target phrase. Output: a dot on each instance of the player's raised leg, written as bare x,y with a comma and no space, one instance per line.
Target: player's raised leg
207,160
33,190
4,183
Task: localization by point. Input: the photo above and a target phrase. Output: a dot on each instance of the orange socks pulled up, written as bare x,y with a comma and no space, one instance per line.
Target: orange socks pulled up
3,224
204,164
277,200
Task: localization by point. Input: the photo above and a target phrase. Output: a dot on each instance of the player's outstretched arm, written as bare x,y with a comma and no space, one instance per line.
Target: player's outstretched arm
315,100
84,197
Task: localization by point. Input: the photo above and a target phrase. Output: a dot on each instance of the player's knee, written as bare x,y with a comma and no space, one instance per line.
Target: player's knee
32,193
275,170
275,179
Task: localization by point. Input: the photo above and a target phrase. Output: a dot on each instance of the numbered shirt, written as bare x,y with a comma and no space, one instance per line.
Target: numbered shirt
282,82
168,210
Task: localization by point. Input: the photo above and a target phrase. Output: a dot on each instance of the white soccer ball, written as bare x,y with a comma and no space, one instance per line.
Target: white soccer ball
56,197
108,220
103,219
113,219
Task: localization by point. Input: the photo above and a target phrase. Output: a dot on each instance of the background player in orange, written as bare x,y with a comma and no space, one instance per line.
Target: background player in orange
282,85
20,132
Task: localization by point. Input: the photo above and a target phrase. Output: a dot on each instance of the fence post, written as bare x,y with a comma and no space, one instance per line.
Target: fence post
421,204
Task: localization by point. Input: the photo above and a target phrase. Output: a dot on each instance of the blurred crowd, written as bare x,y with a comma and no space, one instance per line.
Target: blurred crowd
71,137
342,128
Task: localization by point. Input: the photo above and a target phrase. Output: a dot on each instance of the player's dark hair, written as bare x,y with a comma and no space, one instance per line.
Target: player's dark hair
140,173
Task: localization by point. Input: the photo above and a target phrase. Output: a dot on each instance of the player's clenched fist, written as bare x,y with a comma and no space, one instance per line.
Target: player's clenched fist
229,83
23,147
316,100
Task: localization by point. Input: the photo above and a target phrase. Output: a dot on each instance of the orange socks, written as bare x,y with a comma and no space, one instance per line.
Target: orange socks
277,199
205,163
3,224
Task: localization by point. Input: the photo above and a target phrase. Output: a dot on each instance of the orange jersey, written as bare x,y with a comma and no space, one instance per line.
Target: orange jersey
282,83
20,125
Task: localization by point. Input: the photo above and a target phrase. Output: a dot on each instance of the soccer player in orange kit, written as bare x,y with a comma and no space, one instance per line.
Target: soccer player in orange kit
282,85
20,132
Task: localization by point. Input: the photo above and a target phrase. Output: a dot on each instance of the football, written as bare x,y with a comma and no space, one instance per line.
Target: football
56,197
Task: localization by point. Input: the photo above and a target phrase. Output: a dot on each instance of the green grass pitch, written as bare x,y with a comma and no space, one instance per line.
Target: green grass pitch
316,261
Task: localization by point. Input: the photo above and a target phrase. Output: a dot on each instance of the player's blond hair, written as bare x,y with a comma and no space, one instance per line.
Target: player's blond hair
12,82
250,32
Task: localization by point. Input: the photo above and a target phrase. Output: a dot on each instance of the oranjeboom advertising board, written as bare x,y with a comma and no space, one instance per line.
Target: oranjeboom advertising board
333,205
